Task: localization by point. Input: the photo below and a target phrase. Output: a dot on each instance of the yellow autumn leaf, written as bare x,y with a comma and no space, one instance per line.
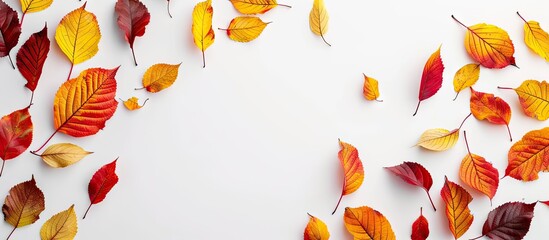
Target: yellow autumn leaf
245,29
203,33
370,89
30,6
535,38
62,226
438,139
159,77
318,19
466,77
133,103
63,154
534,98
255,6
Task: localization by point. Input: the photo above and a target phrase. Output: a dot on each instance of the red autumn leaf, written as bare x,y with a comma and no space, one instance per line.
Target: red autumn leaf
32,56
10,29
486,106
101,183
414,174
420,228
509,221
15,135
545,202
133,18
431,80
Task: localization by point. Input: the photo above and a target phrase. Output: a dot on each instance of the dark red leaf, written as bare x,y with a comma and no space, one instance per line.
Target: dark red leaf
101,183
509,221
431,80
414,174
15,134
32,56
10,29
133,17
420,228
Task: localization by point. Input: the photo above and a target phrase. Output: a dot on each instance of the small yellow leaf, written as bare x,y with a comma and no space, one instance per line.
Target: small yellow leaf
245,29
318,19
160,76
62,226
29,6
438,139
370,89
255,6
466,77
536,39
203,33
63,154
133,103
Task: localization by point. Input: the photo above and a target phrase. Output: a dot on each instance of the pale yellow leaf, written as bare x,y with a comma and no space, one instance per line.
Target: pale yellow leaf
438,139
63,154
318,19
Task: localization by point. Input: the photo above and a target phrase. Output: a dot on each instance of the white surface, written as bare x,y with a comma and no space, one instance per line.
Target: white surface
246,147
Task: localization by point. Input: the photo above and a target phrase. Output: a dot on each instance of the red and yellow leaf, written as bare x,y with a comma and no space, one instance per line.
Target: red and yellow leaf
15,134
32,56
23,205
431,80
420,227
370,89
529,156
10,30
457,201
509,221
534,98
479,174
414,174
486,106
368,224
101,183
316,230
352,169
133,18
203,33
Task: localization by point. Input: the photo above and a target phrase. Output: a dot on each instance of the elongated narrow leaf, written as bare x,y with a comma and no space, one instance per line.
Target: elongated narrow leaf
479,174
414,174
529,156
316,230
245,29
420,228
133,18
15,135
509,221
536,38
534,98
457,201
203,33
466,77
352,169
431,80
32,56
23,205
63,154
101,183
61,226
370,89
367,223
486,106
160,76
10,30
318,19
255,6
438,139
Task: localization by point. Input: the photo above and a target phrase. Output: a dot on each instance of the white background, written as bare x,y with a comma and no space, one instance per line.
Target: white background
244,148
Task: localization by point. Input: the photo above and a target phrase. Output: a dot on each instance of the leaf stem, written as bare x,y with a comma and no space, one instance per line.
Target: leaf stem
522,18
11,61
169,13
464,120
322,35
23,17
11,232
87,210
145,102
70,71
203,59
133,54
431,200
506,88
339,201
477,237
459,22
48,140
457,94
466,142
284,5
32,97
2,169
139,88
417,108
509,131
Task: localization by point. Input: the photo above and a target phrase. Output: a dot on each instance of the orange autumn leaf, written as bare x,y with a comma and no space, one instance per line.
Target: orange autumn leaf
479,174
316,230
370,89
466,77
160,76
489,45
133,103
203,33
534,98
457,201
535,38
365,223
529,156
486,106
352,169
245,29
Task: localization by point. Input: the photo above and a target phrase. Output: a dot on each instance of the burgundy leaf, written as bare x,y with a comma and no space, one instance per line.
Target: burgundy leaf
101,183
509,221
10,29
431,80
414,174
420,228
133,17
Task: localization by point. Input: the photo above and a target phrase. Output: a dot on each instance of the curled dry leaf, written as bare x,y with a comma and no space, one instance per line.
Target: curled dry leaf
489,45
466,77
101,183
160,76
30,6
420,227
457,201
367,223
352,169
486,106
529,156
133,103
431,80
10,30
316,230
23,205
535,38
203,33
370,89
509,221
245,29
479,174
318,19
63,154
15,135
534,98
133,18
255,6
440,139
414,174
61,226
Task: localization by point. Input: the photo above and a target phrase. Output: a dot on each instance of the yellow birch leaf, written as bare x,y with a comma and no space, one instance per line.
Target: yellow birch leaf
78,35
30,6
255,6
133,103
534,98
203,33
370,89
160,76
318,19
466,77
62,226
535,38
438,139
63,154
245,29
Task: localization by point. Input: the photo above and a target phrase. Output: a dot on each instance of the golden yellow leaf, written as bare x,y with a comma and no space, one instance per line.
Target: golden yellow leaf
370,89
62,226
30,6
133,103
534,98
466,77
318,19
535,38
316,230
438,139
78,35
255,6
245,29
203,33
160,76
63,154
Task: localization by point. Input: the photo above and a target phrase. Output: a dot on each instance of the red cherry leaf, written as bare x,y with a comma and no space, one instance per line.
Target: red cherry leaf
10,29
420,228
414,174
15,135
101,183
509,221
431,80
133,17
